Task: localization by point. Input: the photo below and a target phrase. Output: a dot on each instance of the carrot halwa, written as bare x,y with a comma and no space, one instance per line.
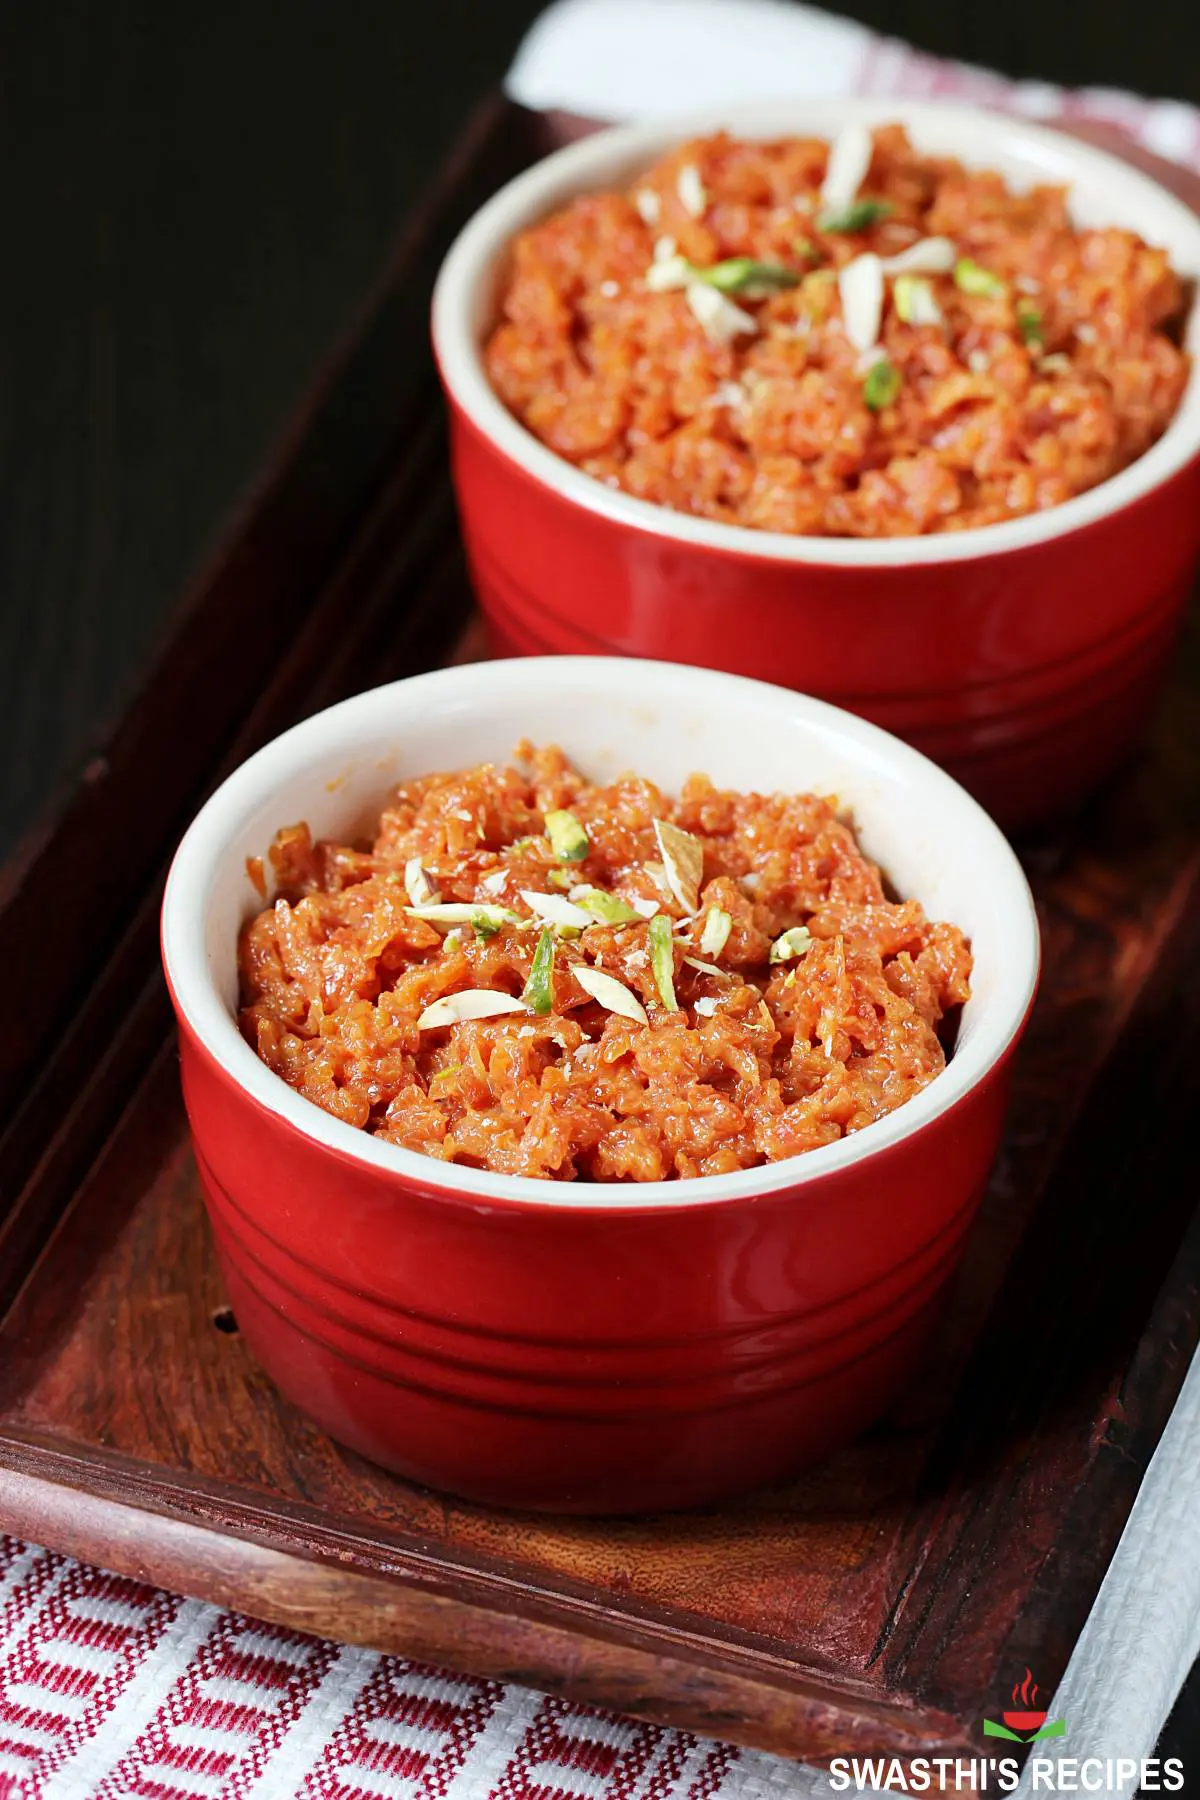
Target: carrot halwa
532,974
863,342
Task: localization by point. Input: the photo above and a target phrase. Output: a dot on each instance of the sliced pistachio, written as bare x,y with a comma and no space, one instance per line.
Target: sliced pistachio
742,275
556,909
683,862
717,926
791,943
469,1003
538,993
464,912
882,385
559,878
420,886
610,993
445,1074
844,221
610,909
915,302
568,839
971,278
662,960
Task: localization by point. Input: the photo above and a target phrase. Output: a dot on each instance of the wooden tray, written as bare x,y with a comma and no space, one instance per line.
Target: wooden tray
886,1601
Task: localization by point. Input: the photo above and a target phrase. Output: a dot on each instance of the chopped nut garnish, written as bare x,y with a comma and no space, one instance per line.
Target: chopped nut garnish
557,909
568,839
721,319
882,385
538,993
915,302
845,221
610,909
470,1003
464,912
860,284
421,888
610,993
662,960
742,275
970,278
791,943
846,170
683,863
717,926
691,192
705,968
928,256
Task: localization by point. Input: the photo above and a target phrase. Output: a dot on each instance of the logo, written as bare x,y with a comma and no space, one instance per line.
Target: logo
1023,1723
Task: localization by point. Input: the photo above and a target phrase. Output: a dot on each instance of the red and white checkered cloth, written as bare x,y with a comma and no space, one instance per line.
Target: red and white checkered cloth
111,1689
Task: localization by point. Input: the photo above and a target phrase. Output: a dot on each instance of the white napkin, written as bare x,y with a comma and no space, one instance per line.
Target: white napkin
641,59
645,59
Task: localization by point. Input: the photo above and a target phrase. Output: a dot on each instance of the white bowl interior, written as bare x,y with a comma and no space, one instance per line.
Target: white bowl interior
664,721
1103,191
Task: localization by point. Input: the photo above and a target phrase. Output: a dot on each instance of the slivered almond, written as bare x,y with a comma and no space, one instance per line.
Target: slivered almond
683,863
860,284
721,319
717,926
556,909
419,884
928,256
693,196
610,993
846,170
470,1003
463,912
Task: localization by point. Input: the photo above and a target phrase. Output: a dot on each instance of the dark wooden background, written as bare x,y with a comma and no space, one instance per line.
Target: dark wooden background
191,202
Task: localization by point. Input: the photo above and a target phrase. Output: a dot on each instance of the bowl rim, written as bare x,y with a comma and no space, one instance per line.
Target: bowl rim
203,1013
587,162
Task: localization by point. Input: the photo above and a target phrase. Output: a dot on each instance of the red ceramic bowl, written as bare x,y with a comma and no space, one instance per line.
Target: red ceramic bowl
1023,657
577,1346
